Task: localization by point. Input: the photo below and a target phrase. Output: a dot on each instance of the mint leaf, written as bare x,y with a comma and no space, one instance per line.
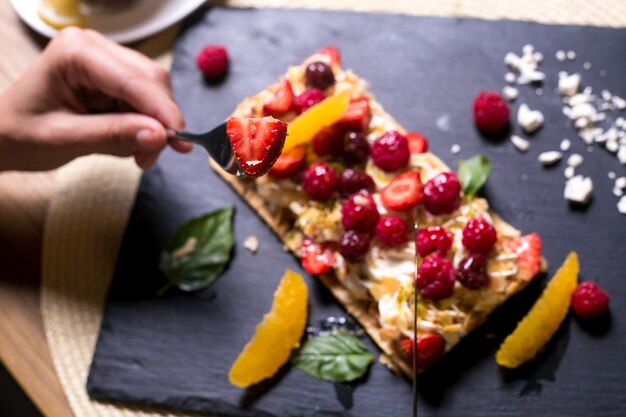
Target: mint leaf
199,251
473,174
336,357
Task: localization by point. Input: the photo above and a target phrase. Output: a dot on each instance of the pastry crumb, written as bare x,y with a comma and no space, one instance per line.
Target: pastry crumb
251,243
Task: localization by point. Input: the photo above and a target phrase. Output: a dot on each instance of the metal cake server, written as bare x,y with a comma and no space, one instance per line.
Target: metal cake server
218,145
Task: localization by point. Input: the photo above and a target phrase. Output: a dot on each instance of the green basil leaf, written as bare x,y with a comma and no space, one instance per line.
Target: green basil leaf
336,357
199,251
473,174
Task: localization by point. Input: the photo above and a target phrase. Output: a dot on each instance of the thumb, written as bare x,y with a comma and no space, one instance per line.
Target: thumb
120,134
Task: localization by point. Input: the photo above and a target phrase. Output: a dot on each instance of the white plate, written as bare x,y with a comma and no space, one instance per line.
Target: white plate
145,18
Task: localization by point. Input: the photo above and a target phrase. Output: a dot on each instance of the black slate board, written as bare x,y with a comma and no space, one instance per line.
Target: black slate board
175,351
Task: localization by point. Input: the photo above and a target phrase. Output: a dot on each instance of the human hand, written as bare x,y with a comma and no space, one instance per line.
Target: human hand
86,94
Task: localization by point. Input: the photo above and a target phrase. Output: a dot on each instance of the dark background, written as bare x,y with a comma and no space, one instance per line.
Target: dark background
13,401
175,351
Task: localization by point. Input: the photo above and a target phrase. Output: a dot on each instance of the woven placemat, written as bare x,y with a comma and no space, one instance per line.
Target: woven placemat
94,195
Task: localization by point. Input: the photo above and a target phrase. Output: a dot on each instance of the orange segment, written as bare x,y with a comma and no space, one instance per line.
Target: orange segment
276,336
323,114
60,13
543,319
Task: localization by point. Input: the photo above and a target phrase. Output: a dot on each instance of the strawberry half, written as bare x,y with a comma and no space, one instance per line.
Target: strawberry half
528,249
403,192
256,142
417,143
357,115
429,348
282,100
289,163
316,258
331,53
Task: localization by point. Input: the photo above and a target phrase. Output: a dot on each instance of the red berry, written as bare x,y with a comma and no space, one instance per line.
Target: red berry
479,236
392,230
281,101
289,163
472,272
407,346
390,152
212,61
589,300
319,75
433,239
491,113
442,193
403,192
359,212
316,258
417,143
354,245
353,180
356,148
357,116
333,54
319,181
430,347
328,142
435,278
307,99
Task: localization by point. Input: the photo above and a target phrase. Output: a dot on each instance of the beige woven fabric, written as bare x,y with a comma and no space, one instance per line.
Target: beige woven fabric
95,194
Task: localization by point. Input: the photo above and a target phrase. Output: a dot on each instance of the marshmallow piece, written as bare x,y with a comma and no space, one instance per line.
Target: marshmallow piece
621,205
569,172
575,160
565,145
529,120
549,158
520,144
578,189
510,93
568,84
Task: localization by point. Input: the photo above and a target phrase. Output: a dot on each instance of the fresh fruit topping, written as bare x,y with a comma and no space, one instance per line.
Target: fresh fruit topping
319,75
442,193
472,272
281,101
289,163
276,336
392,230
407,346
589,301
319,181
354,245
528,249
491,113
61,13
308,99
359,212
316,258
356,148
543,319
390,152
302,129
257,143
435,278
353,180
430,347
212,61
479,236
332,53
403,192
417,143
433,239
357,116
328,141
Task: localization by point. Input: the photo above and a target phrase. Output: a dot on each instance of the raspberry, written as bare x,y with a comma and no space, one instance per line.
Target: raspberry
353,180
360,213
479,236
435,278
212,61
472,272
390,152
442,193
433,239
319,181
430,347
589,300
392,230
491,113
319,75
354,245
356,148
309,98
328,142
